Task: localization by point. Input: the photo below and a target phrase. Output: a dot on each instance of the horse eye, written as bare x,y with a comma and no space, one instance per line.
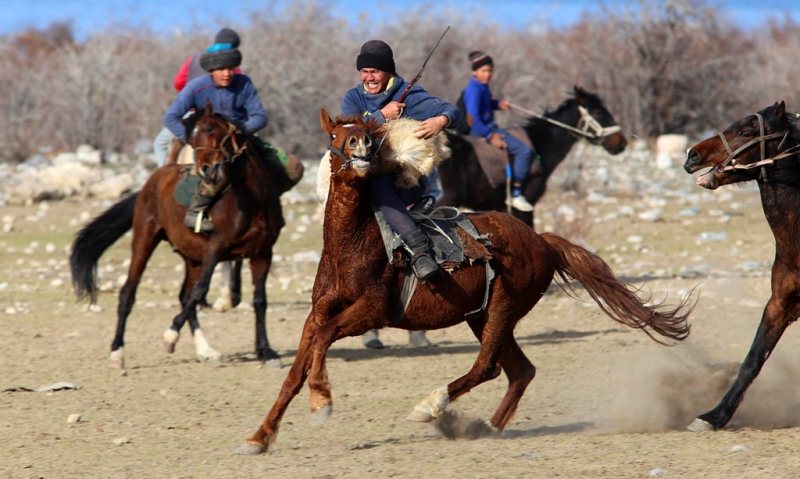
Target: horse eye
747,132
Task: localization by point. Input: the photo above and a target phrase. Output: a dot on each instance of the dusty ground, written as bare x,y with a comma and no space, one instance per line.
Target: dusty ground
607,402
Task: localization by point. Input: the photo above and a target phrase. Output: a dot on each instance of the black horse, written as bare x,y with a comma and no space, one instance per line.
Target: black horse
464,182
761,148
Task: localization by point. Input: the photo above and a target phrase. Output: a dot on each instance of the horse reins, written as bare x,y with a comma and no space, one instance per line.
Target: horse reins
588,126
237,150
730,163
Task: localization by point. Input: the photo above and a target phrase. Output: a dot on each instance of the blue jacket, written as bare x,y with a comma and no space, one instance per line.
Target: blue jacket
238,103
481,106
420,105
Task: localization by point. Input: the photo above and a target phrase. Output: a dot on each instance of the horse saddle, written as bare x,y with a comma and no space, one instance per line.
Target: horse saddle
493,160
455,241
186,186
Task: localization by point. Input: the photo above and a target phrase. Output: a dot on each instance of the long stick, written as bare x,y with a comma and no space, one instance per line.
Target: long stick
422,69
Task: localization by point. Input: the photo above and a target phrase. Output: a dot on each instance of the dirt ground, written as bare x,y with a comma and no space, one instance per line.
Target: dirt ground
606,402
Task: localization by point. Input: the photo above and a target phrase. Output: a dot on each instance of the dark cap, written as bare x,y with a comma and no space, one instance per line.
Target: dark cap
478,59
220,55
376,54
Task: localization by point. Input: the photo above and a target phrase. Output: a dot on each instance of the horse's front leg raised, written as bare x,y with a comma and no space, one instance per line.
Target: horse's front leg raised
268,430
774,320
363,315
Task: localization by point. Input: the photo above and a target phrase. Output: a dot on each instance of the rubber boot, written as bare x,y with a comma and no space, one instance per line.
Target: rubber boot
422,262
200,202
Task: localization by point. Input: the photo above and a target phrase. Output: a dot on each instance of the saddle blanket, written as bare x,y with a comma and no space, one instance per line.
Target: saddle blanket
493,160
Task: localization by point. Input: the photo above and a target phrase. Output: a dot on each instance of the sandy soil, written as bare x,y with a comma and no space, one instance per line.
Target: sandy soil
607,401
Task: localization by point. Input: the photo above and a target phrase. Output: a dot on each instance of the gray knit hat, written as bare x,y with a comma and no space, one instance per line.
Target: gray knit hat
220,55
227,35
376,54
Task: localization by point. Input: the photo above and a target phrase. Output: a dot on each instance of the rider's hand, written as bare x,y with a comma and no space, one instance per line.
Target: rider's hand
504,105
497,141
392,110
430,127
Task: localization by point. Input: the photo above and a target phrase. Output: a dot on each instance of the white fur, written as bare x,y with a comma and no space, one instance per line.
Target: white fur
401,151
431,407
204,351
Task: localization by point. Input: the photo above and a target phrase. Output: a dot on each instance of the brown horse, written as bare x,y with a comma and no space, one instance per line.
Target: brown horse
464,182
247,218
356,288
759,148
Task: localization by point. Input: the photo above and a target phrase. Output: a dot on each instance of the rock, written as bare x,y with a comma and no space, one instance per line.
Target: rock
74,418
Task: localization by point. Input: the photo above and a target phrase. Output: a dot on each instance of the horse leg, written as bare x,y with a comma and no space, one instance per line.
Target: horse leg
774,321
144,243
260,269
230,291
268,430
190,275
486,367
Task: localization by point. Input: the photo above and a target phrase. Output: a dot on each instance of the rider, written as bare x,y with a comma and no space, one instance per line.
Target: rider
190,70
480,107
376,98
232,95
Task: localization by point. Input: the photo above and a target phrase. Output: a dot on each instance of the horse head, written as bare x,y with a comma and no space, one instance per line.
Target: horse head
743,150
351,143
216,142
598,123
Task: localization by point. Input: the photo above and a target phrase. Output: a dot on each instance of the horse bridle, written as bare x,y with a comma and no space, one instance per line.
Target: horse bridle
588,126
229,157
348,160
731,164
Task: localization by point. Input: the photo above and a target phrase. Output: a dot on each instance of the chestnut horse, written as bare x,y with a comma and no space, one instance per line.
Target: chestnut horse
356,288
465,184
758,148
247,219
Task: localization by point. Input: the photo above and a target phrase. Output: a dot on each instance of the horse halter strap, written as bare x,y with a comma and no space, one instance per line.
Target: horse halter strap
348,160
730,162
588,123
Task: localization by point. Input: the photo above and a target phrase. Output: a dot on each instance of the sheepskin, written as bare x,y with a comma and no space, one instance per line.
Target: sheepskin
401,153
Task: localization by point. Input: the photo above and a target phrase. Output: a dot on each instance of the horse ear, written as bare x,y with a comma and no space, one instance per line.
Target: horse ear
579,95
209,109
325,121
779,109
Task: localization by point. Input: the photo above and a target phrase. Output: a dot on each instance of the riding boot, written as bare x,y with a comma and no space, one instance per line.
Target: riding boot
422,262
200,202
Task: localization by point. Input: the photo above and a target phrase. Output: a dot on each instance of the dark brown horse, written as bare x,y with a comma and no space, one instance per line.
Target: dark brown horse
247,218
356,288
759,148
464,182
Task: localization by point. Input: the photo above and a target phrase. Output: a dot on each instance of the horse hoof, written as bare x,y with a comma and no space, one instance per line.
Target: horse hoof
417,339
250,449
169,339
698,425
117,360
222,304
210,356
321,415
419,416
274,363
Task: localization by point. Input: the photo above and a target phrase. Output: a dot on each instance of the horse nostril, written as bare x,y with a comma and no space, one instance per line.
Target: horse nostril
692,158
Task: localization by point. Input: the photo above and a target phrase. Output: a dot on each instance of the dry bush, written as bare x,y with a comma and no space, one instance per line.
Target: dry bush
662,66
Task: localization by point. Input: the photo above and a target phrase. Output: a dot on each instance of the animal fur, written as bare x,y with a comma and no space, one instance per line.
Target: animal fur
401,152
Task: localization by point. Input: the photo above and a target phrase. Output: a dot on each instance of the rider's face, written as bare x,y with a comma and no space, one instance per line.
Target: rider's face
484,74
222,77
374,80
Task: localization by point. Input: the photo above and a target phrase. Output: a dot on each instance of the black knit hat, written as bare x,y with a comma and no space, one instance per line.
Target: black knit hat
227,35
479,59
220,55
376,54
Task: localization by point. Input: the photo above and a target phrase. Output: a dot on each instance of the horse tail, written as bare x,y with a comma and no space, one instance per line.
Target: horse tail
617,299
92,240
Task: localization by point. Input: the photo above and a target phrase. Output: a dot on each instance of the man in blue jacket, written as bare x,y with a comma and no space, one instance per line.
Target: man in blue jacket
232,95
376,97
480,107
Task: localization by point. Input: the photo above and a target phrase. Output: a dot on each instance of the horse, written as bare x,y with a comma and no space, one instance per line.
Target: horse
357,289
464,182
758,148
247,218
